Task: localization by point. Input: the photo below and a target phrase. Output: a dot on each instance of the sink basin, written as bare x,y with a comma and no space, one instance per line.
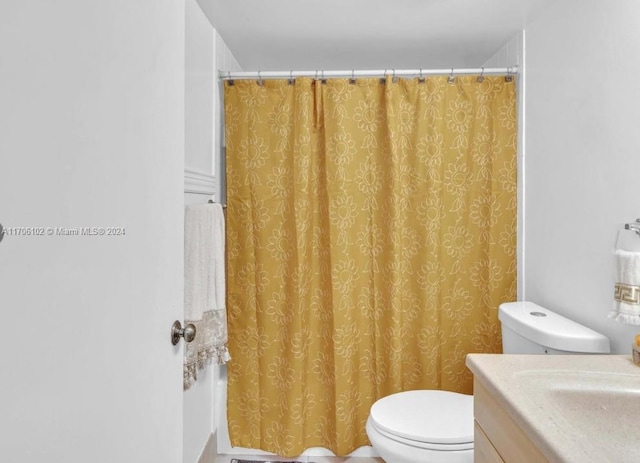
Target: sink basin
602,405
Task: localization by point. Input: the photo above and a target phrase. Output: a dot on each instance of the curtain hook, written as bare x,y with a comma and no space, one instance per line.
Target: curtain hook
394,79
508,77
292,81
322,79
451,78
421,78
383,79
260,81
480,78
229,79
353,77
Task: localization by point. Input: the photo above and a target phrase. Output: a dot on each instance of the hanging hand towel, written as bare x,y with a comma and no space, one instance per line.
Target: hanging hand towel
626,306
204,288
198,260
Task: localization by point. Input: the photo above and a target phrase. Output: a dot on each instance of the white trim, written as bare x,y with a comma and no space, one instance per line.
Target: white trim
522,164
198,182
209,451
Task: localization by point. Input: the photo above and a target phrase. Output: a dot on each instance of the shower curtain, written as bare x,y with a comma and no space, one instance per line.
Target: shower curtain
371,236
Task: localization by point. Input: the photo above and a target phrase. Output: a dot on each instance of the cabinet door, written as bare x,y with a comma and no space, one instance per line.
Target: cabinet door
506,436
483,450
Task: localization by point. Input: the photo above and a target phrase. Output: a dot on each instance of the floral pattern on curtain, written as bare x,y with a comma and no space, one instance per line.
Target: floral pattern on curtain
371,237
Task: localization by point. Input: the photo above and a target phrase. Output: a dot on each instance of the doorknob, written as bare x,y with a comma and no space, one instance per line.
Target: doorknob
177,332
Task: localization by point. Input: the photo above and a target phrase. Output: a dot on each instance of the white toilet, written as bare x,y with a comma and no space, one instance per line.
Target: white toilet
429,426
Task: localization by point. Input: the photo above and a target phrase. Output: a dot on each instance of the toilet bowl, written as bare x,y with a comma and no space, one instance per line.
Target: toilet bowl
430,426
423,426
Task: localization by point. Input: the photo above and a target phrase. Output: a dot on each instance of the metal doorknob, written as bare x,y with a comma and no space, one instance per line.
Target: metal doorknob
177,332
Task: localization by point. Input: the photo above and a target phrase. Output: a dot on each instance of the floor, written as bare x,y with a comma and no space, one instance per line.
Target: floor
240,458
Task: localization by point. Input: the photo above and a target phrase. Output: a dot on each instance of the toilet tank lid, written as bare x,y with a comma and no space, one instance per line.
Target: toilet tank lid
550,329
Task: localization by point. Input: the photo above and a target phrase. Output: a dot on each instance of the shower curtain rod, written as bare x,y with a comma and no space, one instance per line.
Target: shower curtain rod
263,75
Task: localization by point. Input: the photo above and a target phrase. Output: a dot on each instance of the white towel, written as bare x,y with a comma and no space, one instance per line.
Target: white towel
204,288
199,292
626,305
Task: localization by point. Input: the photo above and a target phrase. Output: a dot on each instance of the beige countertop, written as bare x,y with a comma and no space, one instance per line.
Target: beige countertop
575,408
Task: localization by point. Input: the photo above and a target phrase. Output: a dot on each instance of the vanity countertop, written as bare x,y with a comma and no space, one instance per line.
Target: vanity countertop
574,408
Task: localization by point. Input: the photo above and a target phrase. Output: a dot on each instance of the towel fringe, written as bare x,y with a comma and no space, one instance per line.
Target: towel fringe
212,354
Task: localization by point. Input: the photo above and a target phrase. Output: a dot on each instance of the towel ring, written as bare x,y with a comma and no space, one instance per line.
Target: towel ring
635,226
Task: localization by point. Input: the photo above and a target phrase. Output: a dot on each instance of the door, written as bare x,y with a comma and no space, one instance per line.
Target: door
91,173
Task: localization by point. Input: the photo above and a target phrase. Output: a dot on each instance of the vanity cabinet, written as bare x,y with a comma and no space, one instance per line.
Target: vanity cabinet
497,437
555,408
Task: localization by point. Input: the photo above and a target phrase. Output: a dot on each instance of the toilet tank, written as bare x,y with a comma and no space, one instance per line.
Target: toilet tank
528,328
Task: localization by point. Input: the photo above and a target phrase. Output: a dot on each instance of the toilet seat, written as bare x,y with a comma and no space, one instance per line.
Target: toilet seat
431,419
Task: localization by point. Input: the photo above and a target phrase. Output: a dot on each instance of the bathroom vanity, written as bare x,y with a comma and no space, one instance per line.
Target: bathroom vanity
555,408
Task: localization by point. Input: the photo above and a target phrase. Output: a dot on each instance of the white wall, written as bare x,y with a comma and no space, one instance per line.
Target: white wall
583,155
511,54
205,54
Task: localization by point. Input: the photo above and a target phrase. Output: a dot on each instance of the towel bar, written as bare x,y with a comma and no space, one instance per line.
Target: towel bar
211,201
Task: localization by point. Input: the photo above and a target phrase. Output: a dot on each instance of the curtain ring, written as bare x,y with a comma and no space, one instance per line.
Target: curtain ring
353,77
383,79
421,78
451,78
229,79
394,79
292,81
480,78
322,79
260,81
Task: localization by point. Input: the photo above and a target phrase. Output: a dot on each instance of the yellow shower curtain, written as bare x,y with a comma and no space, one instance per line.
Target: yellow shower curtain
371,236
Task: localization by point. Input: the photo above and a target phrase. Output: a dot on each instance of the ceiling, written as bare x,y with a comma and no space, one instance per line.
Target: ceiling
302,35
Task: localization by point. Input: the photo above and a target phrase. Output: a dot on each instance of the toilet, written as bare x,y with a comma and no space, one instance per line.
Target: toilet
429,426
